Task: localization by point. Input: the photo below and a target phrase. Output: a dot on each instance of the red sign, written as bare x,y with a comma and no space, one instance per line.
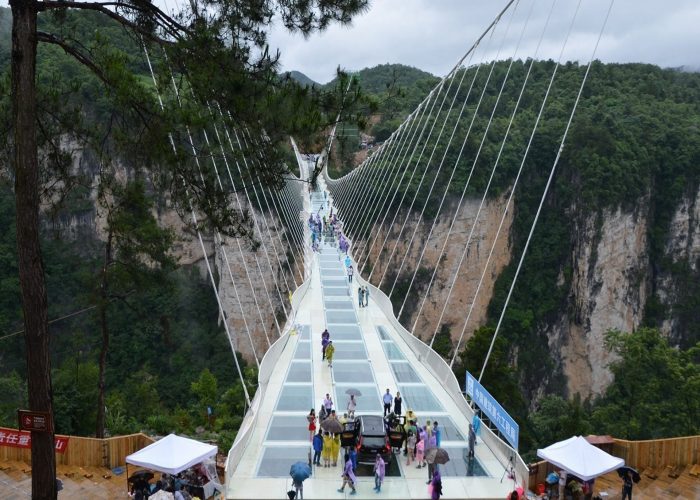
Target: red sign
37,421
22,439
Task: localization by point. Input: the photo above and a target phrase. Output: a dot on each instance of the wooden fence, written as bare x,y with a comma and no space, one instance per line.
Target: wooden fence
81,451
638,454
658,452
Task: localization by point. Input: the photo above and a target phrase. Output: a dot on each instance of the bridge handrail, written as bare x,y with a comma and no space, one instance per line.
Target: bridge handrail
267,365
443,373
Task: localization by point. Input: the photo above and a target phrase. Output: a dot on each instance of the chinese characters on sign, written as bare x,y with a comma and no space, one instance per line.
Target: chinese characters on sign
38,421
23,439
493,410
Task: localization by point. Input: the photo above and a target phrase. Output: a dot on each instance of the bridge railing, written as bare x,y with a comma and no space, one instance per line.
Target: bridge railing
267,366
437,366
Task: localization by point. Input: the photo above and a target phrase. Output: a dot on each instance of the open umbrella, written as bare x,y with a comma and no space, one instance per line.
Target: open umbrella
552,478
437,456
300,471
332,425
622,471
141,475
353,392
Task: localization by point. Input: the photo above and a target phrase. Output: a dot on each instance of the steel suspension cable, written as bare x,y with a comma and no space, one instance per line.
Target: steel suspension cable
546,188
454,169
427,165
217,235
378,174
512,189
238,243
403,168
199,237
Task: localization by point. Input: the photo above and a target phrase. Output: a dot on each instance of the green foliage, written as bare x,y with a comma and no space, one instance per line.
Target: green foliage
656,388
556,419
13,395
205,389
443,341
75,393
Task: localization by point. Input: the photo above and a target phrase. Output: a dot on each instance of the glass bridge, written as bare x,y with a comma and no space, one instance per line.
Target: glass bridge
373,352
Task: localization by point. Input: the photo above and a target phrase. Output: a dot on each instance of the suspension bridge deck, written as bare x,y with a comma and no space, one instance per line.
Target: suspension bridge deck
371,355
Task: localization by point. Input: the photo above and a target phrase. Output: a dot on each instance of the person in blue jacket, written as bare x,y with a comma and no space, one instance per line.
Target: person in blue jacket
318,447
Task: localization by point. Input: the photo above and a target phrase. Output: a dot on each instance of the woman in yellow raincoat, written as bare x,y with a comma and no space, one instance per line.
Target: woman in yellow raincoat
327,449
335,449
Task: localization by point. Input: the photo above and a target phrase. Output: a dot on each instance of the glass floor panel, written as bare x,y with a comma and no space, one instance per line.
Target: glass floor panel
392,352
276,460
341,317
331,265
335,272
419,398
460,465
330,282
404,372
344,332
288,428
343,305
352,371
349,351
383,333
336,292
303,351
449,430
295,398
304,332
299,371
369,401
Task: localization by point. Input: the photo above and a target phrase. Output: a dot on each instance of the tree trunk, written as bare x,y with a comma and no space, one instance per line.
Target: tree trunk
31,269
104,301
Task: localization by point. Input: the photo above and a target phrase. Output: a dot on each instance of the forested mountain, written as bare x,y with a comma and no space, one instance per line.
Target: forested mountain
301,78
617,246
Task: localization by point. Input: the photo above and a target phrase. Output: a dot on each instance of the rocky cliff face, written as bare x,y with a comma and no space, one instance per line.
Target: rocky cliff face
613,277
459,301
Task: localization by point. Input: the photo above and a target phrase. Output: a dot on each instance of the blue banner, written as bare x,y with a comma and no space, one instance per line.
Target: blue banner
493,410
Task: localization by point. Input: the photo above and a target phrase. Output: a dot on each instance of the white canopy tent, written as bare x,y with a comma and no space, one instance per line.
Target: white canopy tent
580,458
172,454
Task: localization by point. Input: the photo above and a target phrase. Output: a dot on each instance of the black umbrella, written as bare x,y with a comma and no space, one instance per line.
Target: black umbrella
437,456
332,425
141,475
353,392
622,472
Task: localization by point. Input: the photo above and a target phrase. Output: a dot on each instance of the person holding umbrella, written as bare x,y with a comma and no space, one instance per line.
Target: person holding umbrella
436,486
435,456
299,472
379,470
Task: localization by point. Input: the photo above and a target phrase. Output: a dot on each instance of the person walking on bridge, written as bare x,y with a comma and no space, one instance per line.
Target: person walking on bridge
330,349
348,476
325,340
388,399
360,296
350,272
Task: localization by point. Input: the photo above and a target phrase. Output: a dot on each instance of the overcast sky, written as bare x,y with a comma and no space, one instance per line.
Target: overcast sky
433,34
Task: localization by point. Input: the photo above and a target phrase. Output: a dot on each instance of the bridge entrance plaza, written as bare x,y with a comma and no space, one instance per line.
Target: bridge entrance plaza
371,355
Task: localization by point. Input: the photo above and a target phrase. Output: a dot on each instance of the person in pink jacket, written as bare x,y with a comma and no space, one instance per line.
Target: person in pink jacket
420,449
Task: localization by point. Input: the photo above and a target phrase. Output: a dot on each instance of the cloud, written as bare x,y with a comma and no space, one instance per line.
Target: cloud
433,35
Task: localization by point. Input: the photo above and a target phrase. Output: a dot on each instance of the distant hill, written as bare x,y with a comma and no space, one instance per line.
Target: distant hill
378,79
301,78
